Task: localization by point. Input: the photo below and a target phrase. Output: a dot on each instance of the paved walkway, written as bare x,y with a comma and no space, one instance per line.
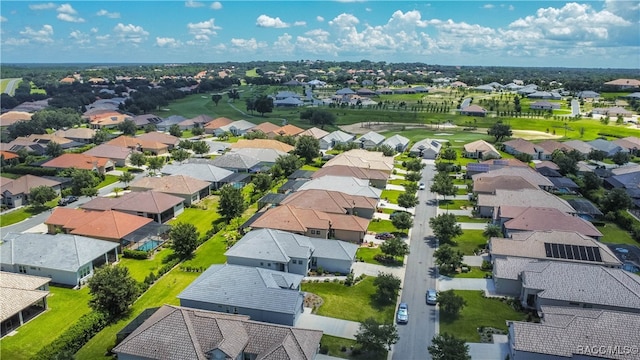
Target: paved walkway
394,187
456,212
327,357
498,350
330,326
382,216
474,260
472,226
447,283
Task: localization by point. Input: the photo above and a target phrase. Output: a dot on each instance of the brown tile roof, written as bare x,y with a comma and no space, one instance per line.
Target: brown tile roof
156,136
344,170
13,117
480,145
525,198
624,82
218,123
527,173
505,162
173,184
540,218
111,119
262,144
289,218
547,164
314,132
79,161
288,130
550,146
266,127
348,222
8,155
328,201
112,225
107,151
45,138
152,202
76,133
628,143
174,332
24,184
18,291
521,145
135,143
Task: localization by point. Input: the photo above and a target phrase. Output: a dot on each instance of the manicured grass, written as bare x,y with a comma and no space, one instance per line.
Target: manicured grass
469,241
202,215
4,83
613,234
309,168
139,269
9,175
391,195
366,254
108,180
210,252
474,273
381,226
162,292
461,181
462,191
65,307
336,344
353,303
468,219
454,204
26,212
478,312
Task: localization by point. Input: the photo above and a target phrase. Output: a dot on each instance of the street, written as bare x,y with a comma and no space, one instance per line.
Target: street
420,275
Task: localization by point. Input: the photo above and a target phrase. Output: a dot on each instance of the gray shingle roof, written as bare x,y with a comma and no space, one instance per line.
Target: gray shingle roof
372,136
333,249
235,161
246,287
261,155
396,140
62,251
206,172
346,184
338,136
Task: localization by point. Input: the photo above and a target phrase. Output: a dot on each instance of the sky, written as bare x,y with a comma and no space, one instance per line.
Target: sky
543,33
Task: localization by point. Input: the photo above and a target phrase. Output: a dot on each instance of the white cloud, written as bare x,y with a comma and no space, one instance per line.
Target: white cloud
103,37
42,36
216,5
80,37
46,6
247,44
3,19
203,30
94,30
167,42
69,18
130,33
110,15
67,13
15,42
319,18
269,22
193,4
488,6
300,23
511,7
66,9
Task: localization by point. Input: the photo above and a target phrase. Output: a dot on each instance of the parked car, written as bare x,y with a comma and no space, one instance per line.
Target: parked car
67,200
432,297
384,236
403,314
421,186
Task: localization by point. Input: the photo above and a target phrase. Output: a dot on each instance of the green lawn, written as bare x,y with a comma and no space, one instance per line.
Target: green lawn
474,273
400,182
478,312
461,191
66,306
9,175
391,195
211,252
309,168
613,234
469,241
336,344
366,254
26,212
139,269
108,180
350,302
454,204
468,219
202,215
381,226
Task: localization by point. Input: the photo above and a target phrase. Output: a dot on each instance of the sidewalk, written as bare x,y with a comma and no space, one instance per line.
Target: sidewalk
330,326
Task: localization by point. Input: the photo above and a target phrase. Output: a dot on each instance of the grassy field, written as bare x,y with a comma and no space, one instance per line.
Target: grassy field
474,273
366,254
469,241
211,252
468,219
381,226
613,234
66,306
454,204
341,301
108,180
478,312
5,82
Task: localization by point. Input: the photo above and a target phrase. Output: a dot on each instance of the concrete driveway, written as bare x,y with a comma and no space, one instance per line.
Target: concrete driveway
472,226
330,326
359,268
498,350
447,283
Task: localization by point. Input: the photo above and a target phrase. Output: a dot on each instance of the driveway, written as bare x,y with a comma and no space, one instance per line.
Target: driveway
359,268
472,226
394,187
330,326
447,283
498,350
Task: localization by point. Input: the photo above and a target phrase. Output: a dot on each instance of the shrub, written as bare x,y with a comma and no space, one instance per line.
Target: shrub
324,349
74,337
29,170
486,265
320,270
349,280
135,254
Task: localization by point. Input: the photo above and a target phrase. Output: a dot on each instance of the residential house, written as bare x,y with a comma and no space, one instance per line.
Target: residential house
426,149
585,209
630,143
292,253
216,124
236,128
16,192
65,259
8,157
313,223
266,157
263,295
332,202
198,121
158,206
237,163
624,83
12,117
614,111
107,120
480,149
201,171
364,159
488,203
527,173
489,185
397,142
580,146
170,334
190,189
265,127
344,184
564,185
146,119
79,135
160,137
80,161
473,110
370,140
105,225
587,94
543,218
544,105
286,130
314,132
138,144
166,123
19,144
45,139
337,137
376,178
630,182
608,147
522,146
262,144
118,155
22,298
492,165
553,95
548,147
575,333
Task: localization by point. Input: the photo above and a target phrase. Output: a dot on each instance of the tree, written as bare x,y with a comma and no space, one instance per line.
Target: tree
415,164
448,258
445,227
117,190
53,149
233,94
448,347
407,200
524,157
112,290
450,303
321,117
402,221
200,147
387,287
591,181
499,131
41,194
616,200
596,155
566,164
620,158
185,144
216,98
443,185
307,147
90,192
138,159
197,131
156,163
126,178
100,136
261,182
264,104
387,150
449,154
395,247
180,155
231,202
184,239
376,337
175,130
285,165
82,180
413,176
492,230
149,128
128,127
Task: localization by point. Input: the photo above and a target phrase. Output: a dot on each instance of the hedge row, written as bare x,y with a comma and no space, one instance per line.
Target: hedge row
135,254
74,338
30,170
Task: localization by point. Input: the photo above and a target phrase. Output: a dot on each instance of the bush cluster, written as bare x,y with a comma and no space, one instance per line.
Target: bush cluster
75,337
135,254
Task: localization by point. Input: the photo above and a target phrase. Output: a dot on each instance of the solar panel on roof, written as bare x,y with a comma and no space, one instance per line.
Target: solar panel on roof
563,252
590,255
583,253
554,250
569,252
596,253
572,252
547,249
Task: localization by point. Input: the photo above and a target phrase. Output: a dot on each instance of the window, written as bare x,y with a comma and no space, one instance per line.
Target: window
22,269
269,264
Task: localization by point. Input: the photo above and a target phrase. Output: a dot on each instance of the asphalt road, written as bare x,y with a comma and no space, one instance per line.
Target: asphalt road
420,275
11,86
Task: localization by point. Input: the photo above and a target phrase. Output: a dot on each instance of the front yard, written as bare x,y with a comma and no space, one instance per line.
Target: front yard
470,241
335,346
454,204
391,195
26,212
468,219
379,226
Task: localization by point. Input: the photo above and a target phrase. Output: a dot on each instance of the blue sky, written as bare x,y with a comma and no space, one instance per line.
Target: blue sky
590,34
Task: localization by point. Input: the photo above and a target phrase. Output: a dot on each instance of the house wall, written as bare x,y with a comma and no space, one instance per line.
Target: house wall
551,302
256,315
485,211
317,233
325,145
507,287
349,235
365,213
334,265
380,184
57,276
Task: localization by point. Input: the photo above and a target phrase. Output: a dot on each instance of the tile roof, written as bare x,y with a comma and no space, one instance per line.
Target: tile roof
338,136
426,144
549,146
45,139
79,161
8,155
563,331
247,287
218,123
172,184
511,267
344,170
136,143
361,158
262,144
160,137
346,184
547,164
272,245
77,133
24,184
109,224
288,130
329,201
579,145
541,218
113,152
526,172
522,146
372,136
314,132
289,218
524,198
480,145
261,155
63,252
235,161
507,182
205,172
12,117
396,140
177,333
19,291
151,202
266,127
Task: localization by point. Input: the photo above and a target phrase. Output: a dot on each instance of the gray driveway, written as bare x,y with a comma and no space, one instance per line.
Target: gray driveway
330,326
359,268
498,350
447,283
472,226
